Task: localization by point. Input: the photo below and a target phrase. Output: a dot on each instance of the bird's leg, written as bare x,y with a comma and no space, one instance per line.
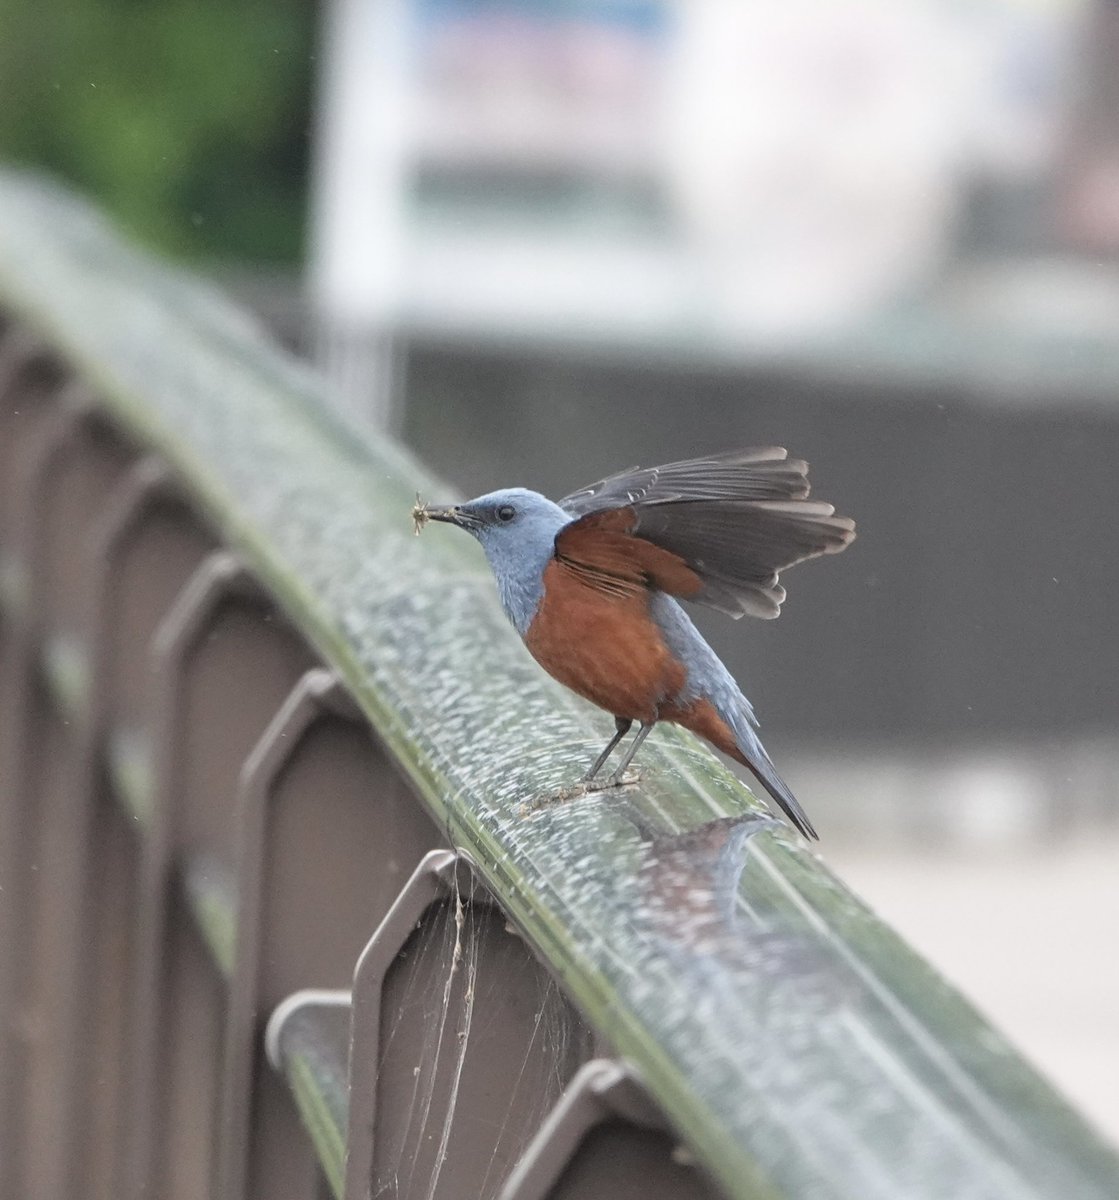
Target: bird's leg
635,745
621,724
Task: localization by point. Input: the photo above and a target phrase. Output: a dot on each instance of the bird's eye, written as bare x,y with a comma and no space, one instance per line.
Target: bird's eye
506,512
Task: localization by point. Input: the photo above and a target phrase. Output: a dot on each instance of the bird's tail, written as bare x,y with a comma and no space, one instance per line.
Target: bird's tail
762,766
749,751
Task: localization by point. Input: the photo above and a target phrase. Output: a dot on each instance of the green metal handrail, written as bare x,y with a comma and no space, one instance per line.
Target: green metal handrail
799,1046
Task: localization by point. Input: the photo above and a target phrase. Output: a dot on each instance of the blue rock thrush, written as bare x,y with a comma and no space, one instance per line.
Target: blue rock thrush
591,584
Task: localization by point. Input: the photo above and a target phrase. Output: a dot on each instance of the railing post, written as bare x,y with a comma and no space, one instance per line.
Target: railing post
318,804
172,998
40,843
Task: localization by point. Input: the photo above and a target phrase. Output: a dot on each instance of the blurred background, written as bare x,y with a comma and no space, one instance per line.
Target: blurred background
541,241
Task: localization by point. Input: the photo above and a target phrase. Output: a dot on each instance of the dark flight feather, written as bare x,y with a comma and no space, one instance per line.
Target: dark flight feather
760,473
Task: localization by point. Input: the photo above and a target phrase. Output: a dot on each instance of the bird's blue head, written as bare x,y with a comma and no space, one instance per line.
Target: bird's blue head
517,530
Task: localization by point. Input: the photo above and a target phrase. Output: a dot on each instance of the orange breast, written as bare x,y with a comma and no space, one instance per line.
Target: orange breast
604,646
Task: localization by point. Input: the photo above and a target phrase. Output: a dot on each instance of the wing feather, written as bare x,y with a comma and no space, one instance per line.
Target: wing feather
602,552
727,526
760,473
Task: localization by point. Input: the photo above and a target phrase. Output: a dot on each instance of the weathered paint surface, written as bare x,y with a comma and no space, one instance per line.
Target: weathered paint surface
801,1048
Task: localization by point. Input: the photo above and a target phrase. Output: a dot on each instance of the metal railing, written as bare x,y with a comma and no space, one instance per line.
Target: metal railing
287,909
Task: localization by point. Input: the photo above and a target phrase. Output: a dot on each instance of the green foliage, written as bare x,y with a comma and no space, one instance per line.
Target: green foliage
186,119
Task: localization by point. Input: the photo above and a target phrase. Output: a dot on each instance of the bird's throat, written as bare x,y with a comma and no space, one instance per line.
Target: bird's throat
520,584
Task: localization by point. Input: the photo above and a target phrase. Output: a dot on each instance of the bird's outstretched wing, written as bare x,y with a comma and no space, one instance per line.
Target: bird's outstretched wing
726,526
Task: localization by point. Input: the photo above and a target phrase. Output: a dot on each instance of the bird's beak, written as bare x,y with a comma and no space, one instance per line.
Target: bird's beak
452,515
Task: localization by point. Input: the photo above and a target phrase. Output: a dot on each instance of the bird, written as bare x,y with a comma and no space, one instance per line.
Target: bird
593,585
